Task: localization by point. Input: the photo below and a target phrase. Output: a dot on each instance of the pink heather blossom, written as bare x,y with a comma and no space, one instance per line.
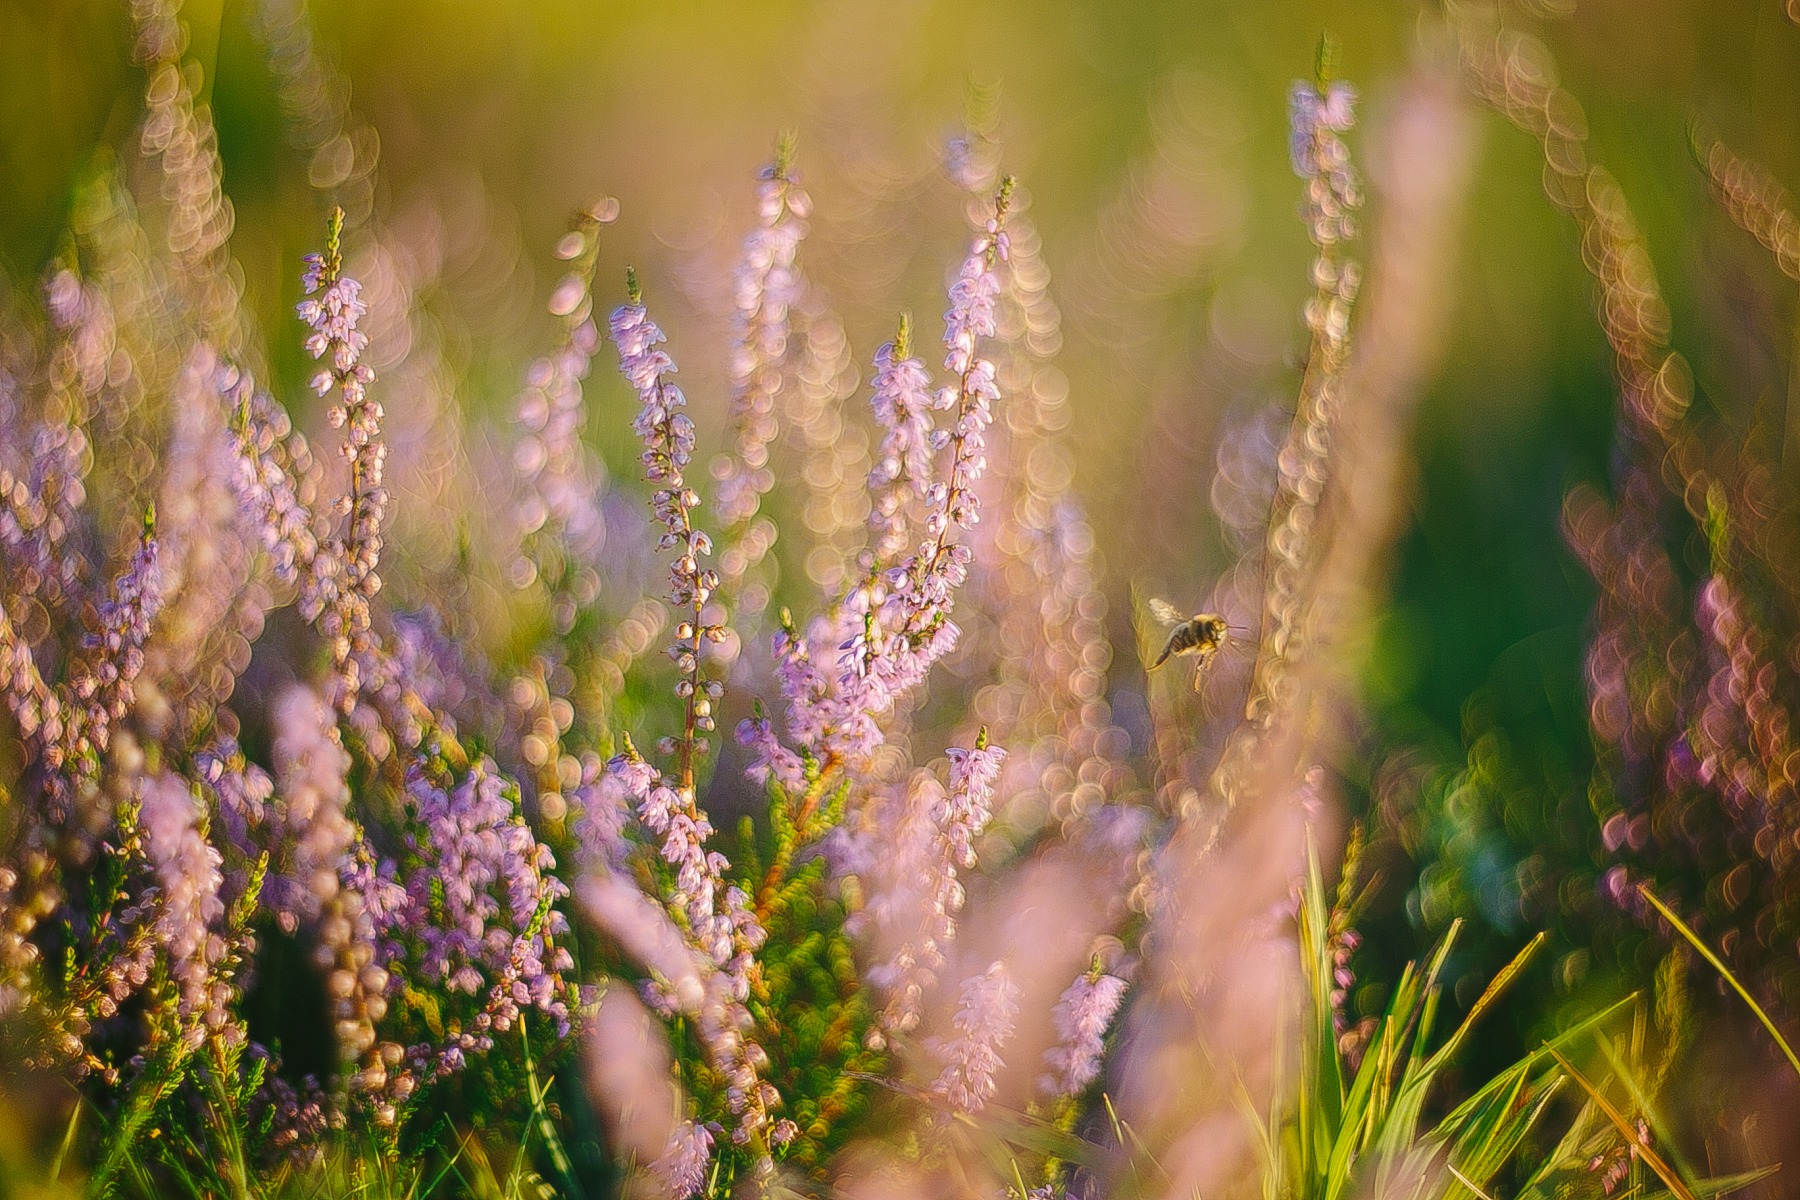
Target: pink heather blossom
603,805
241,795
908,628
766,287
902,473
1319,121
1081,1018
632,1083
369,904
914,884
769,758
481,900
645,933
722,927
299,1117
332,314
973,298
312,831
270,477
561,483
970,803
347,575
45,493
984,1024
187,901
115,654
718,918
1314,115
668,437
681,1168
683,829
882,638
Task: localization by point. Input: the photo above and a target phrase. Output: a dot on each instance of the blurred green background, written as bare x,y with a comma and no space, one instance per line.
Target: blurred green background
1152,139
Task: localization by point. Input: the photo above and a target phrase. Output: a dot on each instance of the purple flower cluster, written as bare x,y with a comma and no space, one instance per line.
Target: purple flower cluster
717,921
984,1023
312,829
901,477
1316,113
767,285
668,436
884,636
347,575
1081,1018
187,904
681,1168
115,653
717,918
913,877
480,902
272,481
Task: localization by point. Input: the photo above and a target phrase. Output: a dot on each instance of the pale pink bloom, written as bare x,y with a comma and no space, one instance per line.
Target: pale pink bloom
1314,115
187,905
681,1168
984,1023
766,286
914,889
902,473
1081,1018
647,936
312,829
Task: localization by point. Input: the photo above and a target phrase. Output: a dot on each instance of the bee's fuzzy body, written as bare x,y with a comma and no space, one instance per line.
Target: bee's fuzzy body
1199,637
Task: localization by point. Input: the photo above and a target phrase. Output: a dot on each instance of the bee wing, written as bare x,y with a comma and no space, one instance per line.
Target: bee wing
1165,612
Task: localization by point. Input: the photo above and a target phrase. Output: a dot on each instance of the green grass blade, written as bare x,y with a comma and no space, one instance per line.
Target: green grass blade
1719,966
1495,988
1646,1154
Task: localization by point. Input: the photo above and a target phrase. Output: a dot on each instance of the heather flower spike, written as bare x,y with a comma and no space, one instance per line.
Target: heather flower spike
717,916
116,653
767,287
984,1023
668,436
848,671
901,476
915,885
188,906
560,487
1081,1018
346,573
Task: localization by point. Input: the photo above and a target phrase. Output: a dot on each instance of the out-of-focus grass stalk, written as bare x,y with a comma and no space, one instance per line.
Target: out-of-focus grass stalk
1694,940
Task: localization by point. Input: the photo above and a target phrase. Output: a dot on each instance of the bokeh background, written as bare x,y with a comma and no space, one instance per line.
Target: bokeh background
1151,139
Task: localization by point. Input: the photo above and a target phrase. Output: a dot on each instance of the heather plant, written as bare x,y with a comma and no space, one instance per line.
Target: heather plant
325,871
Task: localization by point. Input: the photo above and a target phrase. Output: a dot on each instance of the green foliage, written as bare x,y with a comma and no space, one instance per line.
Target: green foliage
813,1016
1368,1122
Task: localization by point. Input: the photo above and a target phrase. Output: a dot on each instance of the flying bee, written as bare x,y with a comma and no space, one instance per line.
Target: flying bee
1199,637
